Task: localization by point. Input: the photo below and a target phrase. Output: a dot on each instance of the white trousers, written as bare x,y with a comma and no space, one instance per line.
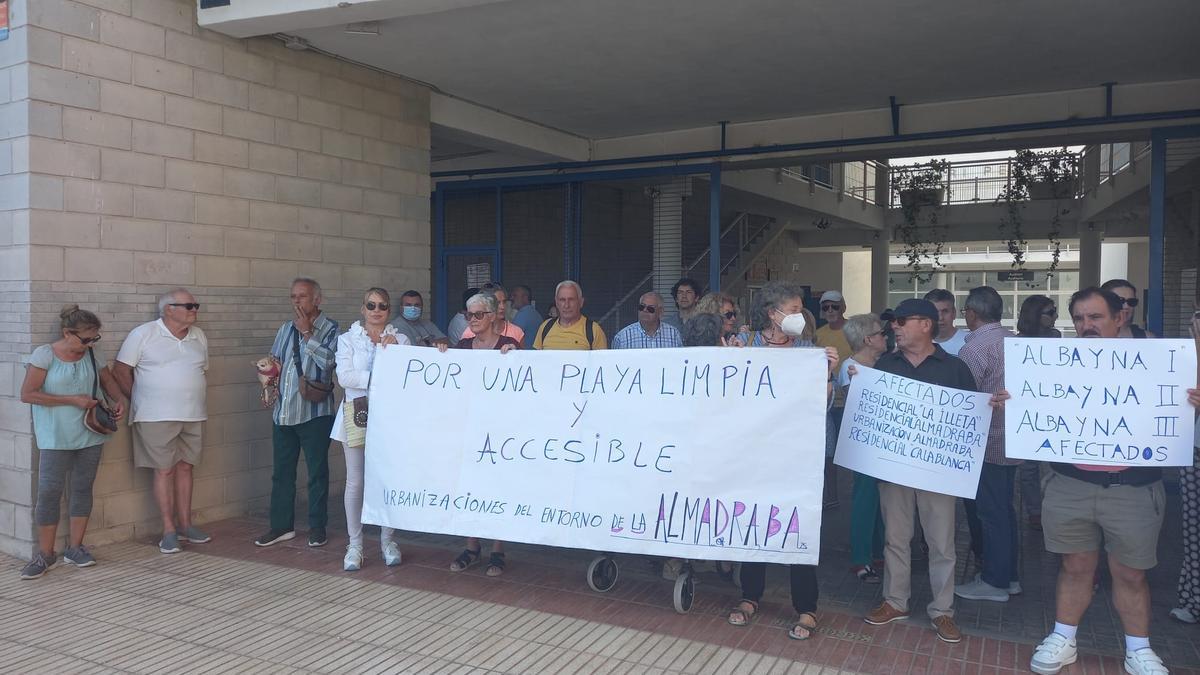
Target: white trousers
355,463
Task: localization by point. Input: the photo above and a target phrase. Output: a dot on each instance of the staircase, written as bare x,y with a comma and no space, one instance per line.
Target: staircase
742,242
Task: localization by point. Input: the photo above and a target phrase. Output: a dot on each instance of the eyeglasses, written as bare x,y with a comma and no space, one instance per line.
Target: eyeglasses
1050,312
477,315
372,306
830,307
730,315
901,320
87,341
412,304
186,305
878,332
1129,302
649,309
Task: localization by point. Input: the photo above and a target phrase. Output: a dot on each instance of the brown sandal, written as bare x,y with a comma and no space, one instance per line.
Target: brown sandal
801,630
742,617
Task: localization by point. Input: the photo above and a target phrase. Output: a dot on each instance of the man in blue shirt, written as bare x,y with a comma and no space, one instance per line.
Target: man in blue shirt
649,332
527,317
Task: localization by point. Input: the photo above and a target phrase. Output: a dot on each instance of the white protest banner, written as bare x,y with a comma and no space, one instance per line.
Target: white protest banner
1114,402
916,434
704,453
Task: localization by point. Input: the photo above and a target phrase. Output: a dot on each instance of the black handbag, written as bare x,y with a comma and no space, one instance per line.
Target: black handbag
99,418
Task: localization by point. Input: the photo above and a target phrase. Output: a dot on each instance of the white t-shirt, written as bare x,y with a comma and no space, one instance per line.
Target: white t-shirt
843,374
954,344
168,373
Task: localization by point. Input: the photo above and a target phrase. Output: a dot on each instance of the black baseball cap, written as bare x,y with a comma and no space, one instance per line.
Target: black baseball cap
916,307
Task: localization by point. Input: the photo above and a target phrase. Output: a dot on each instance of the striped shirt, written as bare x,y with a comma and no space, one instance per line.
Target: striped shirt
317,360
983,352
634,336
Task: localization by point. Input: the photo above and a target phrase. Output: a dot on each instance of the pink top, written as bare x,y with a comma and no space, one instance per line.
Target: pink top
511,330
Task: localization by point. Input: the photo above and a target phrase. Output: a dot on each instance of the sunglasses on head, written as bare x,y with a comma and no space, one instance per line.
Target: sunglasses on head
372,306
830,306
477,315
186,305
87,341
730,315
1129,302
649,309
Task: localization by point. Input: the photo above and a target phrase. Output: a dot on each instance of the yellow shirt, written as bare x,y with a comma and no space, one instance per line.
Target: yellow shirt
571,337
828,337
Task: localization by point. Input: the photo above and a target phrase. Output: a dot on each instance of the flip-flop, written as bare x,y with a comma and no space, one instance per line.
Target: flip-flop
801,626
746,616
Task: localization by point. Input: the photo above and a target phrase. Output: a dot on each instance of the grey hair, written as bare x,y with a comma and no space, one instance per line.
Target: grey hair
486,299
859,327
493,287
702,330
311,282
568,282
772,295
986,303
655,294
940,295
169,297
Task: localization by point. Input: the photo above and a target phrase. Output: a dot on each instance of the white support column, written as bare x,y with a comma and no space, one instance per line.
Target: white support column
1090,237
668,235
880,254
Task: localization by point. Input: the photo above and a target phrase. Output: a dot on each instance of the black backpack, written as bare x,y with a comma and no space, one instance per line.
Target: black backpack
588,329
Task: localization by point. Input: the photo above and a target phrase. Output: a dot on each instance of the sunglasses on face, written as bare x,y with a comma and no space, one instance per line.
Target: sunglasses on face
186,305
1050,312
1129,302
649,309
730,315
901,320
477,315
372,306
88,341
830,307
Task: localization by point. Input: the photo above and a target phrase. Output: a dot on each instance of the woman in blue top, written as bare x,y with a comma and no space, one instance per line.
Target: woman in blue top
59,381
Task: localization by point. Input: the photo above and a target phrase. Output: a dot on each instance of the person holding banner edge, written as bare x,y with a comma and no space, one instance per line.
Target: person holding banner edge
917,357
356,349
779,308
481,321
1119,505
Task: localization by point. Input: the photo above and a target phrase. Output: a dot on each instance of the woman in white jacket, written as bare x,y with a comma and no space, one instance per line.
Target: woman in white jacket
356,350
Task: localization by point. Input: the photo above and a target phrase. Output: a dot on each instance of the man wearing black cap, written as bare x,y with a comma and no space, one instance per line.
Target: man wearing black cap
915,323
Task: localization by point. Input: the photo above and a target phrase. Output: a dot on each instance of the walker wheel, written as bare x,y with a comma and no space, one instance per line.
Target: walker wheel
685,591
602,573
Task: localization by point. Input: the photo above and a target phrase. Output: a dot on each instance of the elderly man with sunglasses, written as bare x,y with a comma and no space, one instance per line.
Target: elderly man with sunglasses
649,331
161,368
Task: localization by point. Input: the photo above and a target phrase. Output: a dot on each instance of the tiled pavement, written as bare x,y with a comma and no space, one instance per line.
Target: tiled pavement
231,607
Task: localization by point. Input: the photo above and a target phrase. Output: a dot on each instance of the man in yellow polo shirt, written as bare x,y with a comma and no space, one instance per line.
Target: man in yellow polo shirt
571,330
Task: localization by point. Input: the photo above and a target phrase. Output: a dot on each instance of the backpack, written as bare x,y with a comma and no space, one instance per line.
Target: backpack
588,329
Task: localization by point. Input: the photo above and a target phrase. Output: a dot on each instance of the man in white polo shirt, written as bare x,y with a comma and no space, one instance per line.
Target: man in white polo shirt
161,369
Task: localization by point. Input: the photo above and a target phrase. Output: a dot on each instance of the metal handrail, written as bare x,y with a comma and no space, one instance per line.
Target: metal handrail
741,218
983,186
625,298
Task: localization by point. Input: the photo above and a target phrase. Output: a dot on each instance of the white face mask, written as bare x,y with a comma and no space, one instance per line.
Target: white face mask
792,324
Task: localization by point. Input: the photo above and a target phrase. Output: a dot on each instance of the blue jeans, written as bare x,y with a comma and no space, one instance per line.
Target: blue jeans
994,504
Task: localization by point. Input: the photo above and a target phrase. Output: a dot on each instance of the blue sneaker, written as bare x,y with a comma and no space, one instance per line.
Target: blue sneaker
194,535
39,566
79,556
169,543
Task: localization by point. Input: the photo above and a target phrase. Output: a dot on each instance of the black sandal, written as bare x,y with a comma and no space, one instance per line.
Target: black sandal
464,560
495,564
741,617
808,630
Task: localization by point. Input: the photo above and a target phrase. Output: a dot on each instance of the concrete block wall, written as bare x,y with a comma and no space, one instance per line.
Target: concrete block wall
139,152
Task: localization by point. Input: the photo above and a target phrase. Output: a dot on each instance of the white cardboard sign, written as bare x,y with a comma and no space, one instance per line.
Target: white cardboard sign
1096,401
916,434
703,453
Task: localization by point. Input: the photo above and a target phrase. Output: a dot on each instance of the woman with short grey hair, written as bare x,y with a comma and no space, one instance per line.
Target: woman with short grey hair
866,336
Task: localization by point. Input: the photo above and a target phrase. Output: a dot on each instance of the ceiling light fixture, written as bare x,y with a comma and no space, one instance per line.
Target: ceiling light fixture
294,43
363,28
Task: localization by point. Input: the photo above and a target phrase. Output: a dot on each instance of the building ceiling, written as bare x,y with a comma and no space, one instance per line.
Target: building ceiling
624,67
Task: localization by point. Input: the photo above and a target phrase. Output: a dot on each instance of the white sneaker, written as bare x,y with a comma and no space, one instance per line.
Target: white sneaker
1144,662
1184,615
1055,652
391,553
981,590
1014,588
354,559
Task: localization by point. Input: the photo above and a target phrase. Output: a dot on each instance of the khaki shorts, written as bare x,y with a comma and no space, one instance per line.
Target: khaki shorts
1077,516
162,445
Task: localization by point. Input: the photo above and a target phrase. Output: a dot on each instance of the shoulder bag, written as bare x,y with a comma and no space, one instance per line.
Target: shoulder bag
99,418
310,390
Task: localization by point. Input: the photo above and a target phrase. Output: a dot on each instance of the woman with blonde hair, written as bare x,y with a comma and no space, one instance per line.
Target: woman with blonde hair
723,305
356,351
61,383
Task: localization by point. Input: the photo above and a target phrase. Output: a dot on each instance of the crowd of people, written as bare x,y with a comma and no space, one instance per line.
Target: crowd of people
157,382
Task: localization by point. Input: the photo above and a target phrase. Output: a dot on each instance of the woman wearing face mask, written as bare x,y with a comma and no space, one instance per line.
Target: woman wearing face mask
782,322
356,351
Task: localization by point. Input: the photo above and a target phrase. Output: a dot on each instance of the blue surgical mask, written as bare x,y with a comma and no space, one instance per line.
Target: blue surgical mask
412,312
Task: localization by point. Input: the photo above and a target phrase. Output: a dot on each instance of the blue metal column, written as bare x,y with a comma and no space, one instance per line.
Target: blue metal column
441,281
714,228
498,273
1158,203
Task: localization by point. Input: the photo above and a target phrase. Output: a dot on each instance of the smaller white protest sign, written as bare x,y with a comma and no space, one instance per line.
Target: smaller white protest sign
912,433
1107,402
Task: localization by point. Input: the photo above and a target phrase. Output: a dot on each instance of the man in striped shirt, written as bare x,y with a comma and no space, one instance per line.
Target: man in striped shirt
306,343
649,331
